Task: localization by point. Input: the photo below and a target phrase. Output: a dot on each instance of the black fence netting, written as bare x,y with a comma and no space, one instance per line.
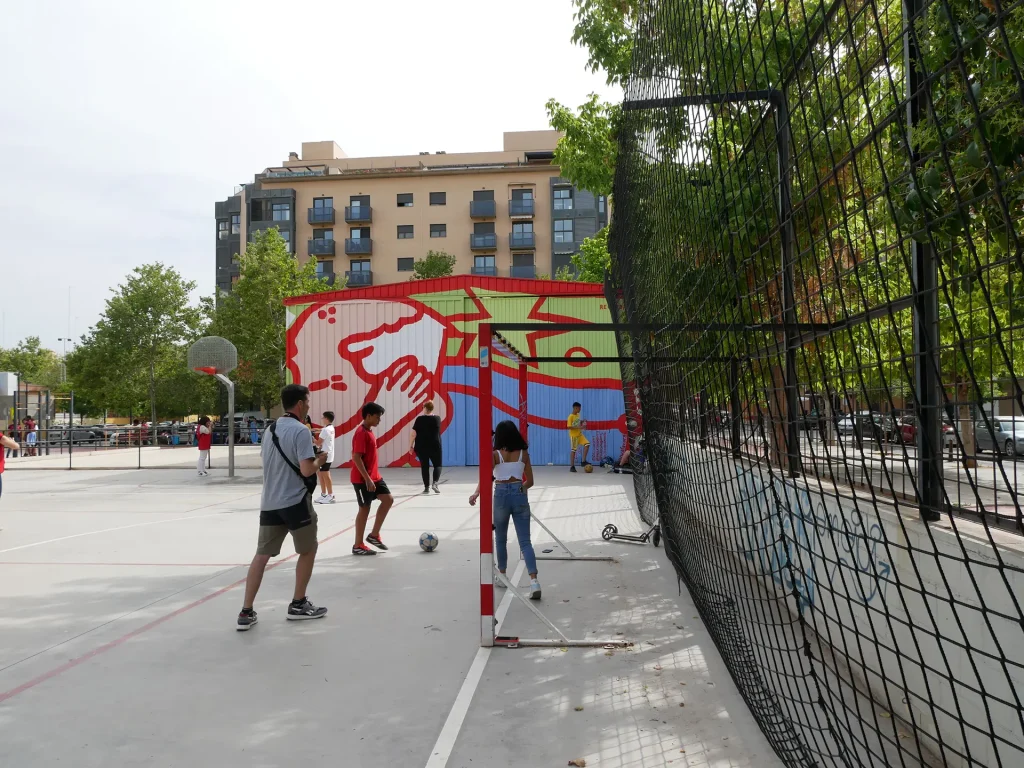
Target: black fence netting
817,266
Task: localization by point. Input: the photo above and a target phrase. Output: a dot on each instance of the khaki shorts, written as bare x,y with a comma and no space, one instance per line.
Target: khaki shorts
300,521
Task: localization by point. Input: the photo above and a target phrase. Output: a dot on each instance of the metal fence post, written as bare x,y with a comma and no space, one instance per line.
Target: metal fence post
734,406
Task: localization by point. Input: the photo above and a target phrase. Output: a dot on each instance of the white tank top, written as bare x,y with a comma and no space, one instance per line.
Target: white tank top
509,470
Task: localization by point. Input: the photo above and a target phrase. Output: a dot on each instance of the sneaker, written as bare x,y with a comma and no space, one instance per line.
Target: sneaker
534,589
321,499
375,540
362,549
572,469
330,499
436,489
305,610
498,583
426,491
246,620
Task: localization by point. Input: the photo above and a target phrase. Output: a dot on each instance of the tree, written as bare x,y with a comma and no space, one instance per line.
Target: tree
435,264
33,363
587,152
252,316
593,259
148,321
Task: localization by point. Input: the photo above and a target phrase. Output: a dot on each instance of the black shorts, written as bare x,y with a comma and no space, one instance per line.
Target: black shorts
365,497
294,517
325,467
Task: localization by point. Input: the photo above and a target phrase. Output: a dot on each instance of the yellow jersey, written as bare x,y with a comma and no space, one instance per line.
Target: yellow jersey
573,423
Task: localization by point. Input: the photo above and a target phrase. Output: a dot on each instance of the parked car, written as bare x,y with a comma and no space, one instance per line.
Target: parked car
845,425
1000,435
908,431
77,436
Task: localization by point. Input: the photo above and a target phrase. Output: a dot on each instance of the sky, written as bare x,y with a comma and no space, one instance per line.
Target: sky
121,123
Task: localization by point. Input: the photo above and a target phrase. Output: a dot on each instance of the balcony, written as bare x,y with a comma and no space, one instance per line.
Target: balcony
485,271
321,246
321,215
527,271
358,214
361,247
482,209
359,279
487,242
521,208
522,241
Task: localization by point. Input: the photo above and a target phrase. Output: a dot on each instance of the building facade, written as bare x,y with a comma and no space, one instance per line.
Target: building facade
506,213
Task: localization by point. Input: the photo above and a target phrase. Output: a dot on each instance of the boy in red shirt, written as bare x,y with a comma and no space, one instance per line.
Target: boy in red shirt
367,481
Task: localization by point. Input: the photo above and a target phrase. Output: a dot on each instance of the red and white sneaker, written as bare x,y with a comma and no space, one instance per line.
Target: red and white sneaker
362,549
375,540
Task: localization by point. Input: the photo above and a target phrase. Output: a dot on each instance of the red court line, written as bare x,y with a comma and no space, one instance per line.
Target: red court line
157,622
141,565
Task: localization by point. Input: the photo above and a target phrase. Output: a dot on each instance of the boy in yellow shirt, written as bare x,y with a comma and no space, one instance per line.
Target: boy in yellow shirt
576,424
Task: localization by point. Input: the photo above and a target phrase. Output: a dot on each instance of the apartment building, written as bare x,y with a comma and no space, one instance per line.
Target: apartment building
505,213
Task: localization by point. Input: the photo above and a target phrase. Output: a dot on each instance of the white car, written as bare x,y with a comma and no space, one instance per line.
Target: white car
845,426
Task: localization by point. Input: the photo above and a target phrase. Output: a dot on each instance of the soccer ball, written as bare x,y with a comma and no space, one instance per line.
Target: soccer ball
428,542
589,468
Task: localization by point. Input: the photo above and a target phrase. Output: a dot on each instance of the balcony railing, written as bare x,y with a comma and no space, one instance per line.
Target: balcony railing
358,214
522,240
482,209
358,247
528,271
486,242
522,207
359,279
321,215
321,246
487,271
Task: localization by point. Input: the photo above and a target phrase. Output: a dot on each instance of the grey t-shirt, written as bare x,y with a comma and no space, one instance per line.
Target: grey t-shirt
282,486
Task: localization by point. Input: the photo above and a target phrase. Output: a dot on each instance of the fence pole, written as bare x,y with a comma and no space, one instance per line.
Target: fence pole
925,277
486,417
734,406
524,424
71,417
48,424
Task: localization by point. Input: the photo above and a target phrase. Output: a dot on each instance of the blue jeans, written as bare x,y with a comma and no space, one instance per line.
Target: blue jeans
510,502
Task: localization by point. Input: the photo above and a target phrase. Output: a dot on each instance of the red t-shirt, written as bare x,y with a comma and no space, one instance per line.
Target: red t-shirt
365,442
3,455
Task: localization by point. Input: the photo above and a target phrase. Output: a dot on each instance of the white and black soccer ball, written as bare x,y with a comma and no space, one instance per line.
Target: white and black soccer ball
428,542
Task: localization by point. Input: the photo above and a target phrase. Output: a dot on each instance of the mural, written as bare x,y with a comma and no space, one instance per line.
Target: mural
404,343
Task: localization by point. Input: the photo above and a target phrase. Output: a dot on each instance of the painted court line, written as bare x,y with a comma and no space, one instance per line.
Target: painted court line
49,675
457,716
135,565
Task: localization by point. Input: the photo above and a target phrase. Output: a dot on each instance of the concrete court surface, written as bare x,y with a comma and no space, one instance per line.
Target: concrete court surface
118,596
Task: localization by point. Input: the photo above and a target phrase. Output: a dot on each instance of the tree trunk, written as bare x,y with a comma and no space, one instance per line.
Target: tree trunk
966,426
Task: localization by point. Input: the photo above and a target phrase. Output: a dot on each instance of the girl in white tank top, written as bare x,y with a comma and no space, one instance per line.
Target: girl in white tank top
513,477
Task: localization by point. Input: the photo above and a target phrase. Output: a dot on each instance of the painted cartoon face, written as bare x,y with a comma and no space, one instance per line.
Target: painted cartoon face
385,352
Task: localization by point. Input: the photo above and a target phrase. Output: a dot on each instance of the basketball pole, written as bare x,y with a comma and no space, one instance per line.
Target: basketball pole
230,385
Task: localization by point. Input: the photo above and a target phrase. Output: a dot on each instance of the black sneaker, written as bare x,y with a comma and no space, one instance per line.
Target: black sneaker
572,469
305,610
375,540
362,549
436,489
246,620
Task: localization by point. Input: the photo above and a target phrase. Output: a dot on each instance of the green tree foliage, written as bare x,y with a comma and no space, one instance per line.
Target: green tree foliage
593,259
33,363
587,151
435,264
123,362
605,28
252,316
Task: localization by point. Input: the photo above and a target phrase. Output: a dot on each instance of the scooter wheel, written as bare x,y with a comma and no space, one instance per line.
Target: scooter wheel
656,537
609,531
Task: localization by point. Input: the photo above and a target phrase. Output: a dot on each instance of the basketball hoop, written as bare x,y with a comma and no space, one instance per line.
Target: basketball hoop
216,356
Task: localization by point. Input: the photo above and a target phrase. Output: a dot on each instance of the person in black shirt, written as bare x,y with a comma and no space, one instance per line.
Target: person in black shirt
426,444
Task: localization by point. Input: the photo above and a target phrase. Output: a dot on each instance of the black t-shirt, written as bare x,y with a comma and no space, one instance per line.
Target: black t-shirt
428,432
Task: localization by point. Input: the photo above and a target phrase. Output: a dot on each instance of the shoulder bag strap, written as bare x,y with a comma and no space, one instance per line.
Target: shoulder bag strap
277,444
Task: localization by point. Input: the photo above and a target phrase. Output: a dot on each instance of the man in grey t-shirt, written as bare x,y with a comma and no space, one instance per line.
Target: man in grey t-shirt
286,506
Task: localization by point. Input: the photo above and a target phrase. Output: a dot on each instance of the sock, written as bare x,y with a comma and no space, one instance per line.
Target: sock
298,602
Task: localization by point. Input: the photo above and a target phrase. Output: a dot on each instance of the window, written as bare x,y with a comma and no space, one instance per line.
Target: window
287,237
324,268
563,199
483,194
405,200
405,265
282,212
323,204
600,203
525,228
405,232
323,234
522,259
357,201
483,228
357,233
483,262
360,266
236,223
522,194
439,230
439,198
563,230
222,230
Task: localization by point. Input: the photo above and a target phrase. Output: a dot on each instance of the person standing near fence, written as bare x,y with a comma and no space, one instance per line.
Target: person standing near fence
14,436
426,444
10,445
204,436
513,477
254,431
31,436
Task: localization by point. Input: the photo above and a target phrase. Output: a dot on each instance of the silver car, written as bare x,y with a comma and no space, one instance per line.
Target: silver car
1000,435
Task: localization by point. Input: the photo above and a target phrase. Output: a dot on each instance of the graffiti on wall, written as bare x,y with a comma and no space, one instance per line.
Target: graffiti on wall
400,345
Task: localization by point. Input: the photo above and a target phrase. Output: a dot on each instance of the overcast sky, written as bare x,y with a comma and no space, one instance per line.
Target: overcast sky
121,123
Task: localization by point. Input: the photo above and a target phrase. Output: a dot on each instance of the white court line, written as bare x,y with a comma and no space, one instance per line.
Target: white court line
107,530
450,732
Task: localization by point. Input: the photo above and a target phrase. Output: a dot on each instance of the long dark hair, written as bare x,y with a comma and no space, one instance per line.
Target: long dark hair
508,438
204,420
